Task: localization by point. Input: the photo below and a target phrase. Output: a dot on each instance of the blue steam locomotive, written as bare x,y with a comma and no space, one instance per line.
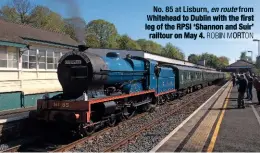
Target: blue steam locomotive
99,90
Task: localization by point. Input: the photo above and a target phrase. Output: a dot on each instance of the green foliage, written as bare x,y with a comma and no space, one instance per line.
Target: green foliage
193,58
228,76
104,33
17,11
243,56
173,52
9,14
125,42
224,61
150,46
43,17
211,60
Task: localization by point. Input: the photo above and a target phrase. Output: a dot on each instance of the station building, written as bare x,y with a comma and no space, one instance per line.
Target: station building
28,62
241,66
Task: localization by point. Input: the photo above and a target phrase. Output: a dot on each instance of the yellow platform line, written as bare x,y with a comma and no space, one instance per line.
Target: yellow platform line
215,134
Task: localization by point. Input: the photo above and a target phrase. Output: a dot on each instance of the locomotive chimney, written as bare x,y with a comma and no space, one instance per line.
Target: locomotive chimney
82,48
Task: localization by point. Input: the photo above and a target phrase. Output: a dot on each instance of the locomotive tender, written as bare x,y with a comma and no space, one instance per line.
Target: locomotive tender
98,90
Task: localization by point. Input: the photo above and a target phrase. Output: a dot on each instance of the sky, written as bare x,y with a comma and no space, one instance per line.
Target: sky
130,17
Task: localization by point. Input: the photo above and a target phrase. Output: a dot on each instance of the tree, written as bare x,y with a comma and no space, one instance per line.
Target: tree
211,60
150,46
243,56
172,52
224,61
43,17
23,8
9,14
17,11
193,58
104,33
125,42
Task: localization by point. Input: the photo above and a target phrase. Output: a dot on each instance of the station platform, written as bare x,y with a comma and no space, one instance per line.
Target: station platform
14,115
217,126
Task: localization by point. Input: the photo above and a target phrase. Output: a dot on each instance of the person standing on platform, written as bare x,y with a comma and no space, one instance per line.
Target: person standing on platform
247,91
249,87
237,79
234,79
257,87
241,91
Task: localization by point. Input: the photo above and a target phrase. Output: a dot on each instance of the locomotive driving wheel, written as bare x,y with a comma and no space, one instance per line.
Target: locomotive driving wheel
85,130
149,107
111,121
128,112
146,107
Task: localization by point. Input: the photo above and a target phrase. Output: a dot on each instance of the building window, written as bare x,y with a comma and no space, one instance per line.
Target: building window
29,59
3,57
8,57
50,60
46,59
12,55
42,59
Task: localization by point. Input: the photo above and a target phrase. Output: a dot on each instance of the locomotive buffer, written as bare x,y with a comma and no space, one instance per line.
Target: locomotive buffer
217,126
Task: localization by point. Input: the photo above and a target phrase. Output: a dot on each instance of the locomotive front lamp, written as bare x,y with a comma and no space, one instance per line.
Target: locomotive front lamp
77,116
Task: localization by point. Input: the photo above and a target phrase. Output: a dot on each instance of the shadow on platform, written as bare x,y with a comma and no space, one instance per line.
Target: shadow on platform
235,106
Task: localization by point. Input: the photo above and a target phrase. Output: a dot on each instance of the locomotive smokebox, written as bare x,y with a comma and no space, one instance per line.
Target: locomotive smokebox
82,48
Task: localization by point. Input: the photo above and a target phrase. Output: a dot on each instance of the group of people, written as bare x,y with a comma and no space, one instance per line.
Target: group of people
245,83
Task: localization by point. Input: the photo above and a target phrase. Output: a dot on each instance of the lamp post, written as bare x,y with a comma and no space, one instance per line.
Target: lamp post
258,45
251,55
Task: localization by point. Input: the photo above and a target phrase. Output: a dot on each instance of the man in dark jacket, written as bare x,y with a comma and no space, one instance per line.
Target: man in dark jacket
257,87
247,91
241,91
234,79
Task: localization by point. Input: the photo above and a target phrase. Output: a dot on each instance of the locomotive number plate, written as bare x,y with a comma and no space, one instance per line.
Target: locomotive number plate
62,105
72,61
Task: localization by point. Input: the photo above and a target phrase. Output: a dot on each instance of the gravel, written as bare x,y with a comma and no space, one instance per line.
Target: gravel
3,147
149,139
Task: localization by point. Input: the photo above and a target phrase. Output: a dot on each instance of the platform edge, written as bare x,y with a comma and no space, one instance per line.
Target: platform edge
185,121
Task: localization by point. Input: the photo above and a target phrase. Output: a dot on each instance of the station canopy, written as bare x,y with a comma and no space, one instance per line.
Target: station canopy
240,66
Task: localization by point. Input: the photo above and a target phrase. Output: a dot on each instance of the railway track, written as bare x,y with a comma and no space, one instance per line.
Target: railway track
54,147
39,144
149,126
13,123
